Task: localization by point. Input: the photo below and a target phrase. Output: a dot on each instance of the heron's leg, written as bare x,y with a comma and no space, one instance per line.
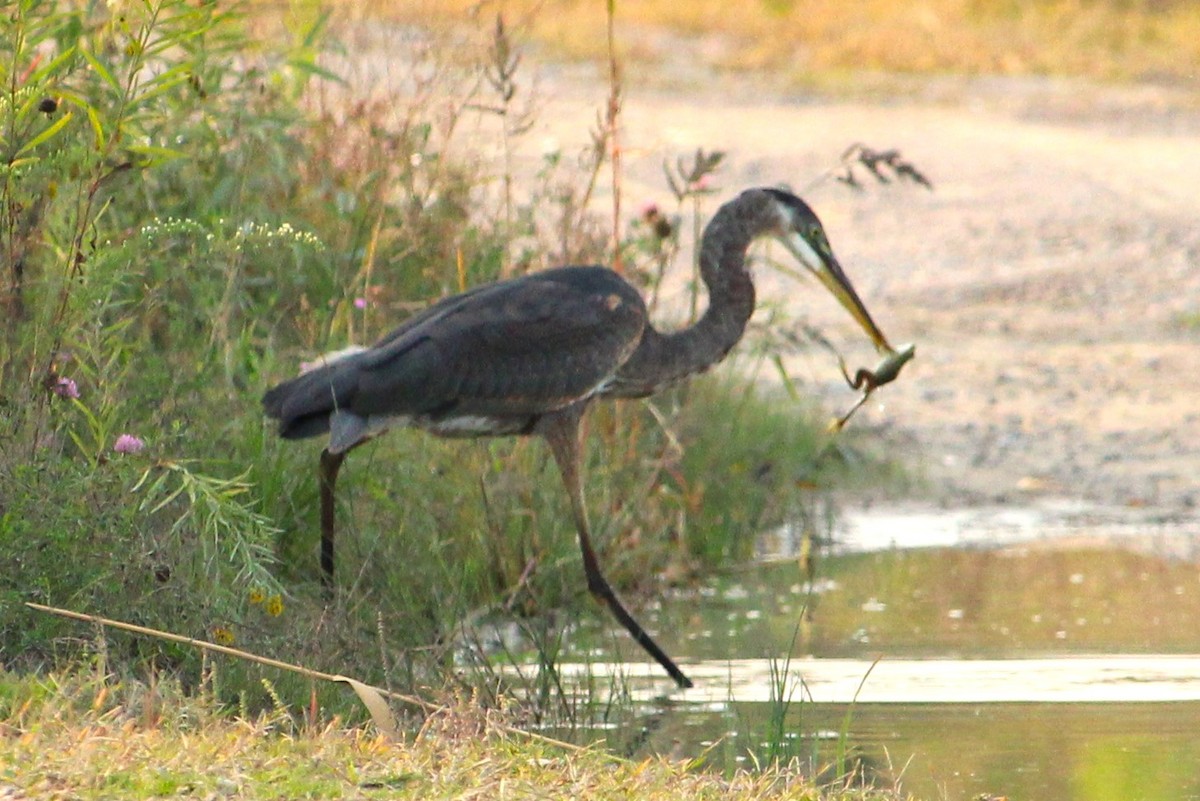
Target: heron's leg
561,430
330,464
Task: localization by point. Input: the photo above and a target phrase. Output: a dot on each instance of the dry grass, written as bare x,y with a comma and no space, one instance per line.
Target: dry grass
817,39
82,738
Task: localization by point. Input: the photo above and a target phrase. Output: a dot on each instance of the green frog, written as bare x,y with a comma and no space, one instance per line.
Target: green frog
870,380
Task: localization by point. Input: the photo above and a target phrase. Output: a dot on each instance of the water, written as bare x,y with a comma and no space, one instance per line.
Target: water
1123,678
1046,652
1056,522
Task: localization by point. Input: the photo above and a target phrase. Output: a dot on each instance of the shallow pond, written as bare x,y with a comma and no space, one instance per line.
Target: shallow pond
1041,653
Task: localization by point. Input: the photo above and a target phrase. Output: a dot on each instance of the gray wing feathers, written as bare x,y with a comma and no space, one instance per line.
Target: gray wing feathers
303,404
520,347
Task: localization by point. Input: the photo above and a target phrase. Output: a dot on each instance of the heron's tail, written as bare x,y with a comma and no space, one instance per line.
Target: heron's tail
304,405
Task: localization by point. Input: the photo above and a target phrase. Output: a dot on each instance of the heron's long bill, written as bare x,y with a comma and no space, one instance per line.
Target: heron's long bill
827,270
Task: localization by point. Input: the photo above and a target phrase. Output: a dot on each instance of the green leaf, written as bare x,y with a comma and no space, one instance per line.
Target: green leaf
47,133
316,30
92,421
312,68
102,71
171,76
171,496
35,77
159,88
79,443
145,475
26,108
788,384
15,163
96,126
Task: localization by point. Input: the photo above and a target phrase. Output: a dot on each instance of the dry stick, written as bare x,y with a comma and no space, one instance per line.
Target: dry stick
614,143
614,111
303,671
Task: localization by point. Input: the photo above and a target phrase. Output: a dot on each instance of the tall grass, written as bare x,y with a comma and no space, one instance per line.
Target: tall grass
130,297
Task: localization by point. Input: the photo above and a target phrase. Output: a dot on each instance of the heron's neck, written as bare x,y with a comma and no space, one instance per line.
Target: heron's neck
663,358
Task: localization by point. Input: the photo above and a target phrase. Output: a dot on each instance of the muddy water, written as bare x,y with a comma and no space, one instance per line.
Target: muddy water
1048,652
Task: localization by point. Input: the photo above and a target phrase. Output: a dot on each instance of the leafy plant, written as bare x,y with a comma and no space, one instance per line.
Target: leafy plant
120,315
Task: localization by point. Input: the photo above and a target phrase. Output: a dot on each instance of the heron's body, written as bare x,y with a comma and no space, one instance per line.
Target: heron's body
527,355
488,362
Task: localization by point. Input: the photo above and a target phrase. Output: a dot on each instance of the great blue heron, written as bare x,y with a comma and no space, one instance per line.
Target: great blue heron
527,355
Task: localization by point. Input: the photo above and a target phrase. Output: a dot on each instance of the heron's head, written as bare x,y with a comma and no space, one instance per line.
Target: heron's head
802,234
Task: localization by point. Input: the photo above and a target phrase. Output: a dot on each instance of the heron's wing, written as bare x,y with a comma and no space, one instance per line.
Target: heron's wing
436,309
523,346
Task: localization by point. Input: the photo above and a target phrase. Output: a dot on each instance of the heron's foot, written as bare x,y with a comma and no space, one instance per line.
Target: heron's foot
602,592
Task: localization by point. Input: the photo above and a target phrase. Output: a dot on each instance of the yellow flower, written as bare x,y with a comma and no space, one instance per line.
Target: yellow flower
222,635
257,596
274,606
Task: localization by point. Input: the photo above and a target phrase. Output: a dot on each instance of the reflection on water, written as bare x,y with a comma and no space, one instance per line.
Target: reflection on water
1060,680
1056,752
1047,665
1053,522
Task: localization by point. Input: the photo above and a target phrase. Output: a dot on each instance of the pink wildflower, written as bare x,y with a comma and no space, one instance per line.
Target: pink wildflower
360,303
66,387
127,443
648,209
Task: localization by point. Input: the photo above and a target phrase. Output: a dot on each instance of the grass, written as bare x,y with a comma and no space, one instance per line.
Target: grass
84,737
827,42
